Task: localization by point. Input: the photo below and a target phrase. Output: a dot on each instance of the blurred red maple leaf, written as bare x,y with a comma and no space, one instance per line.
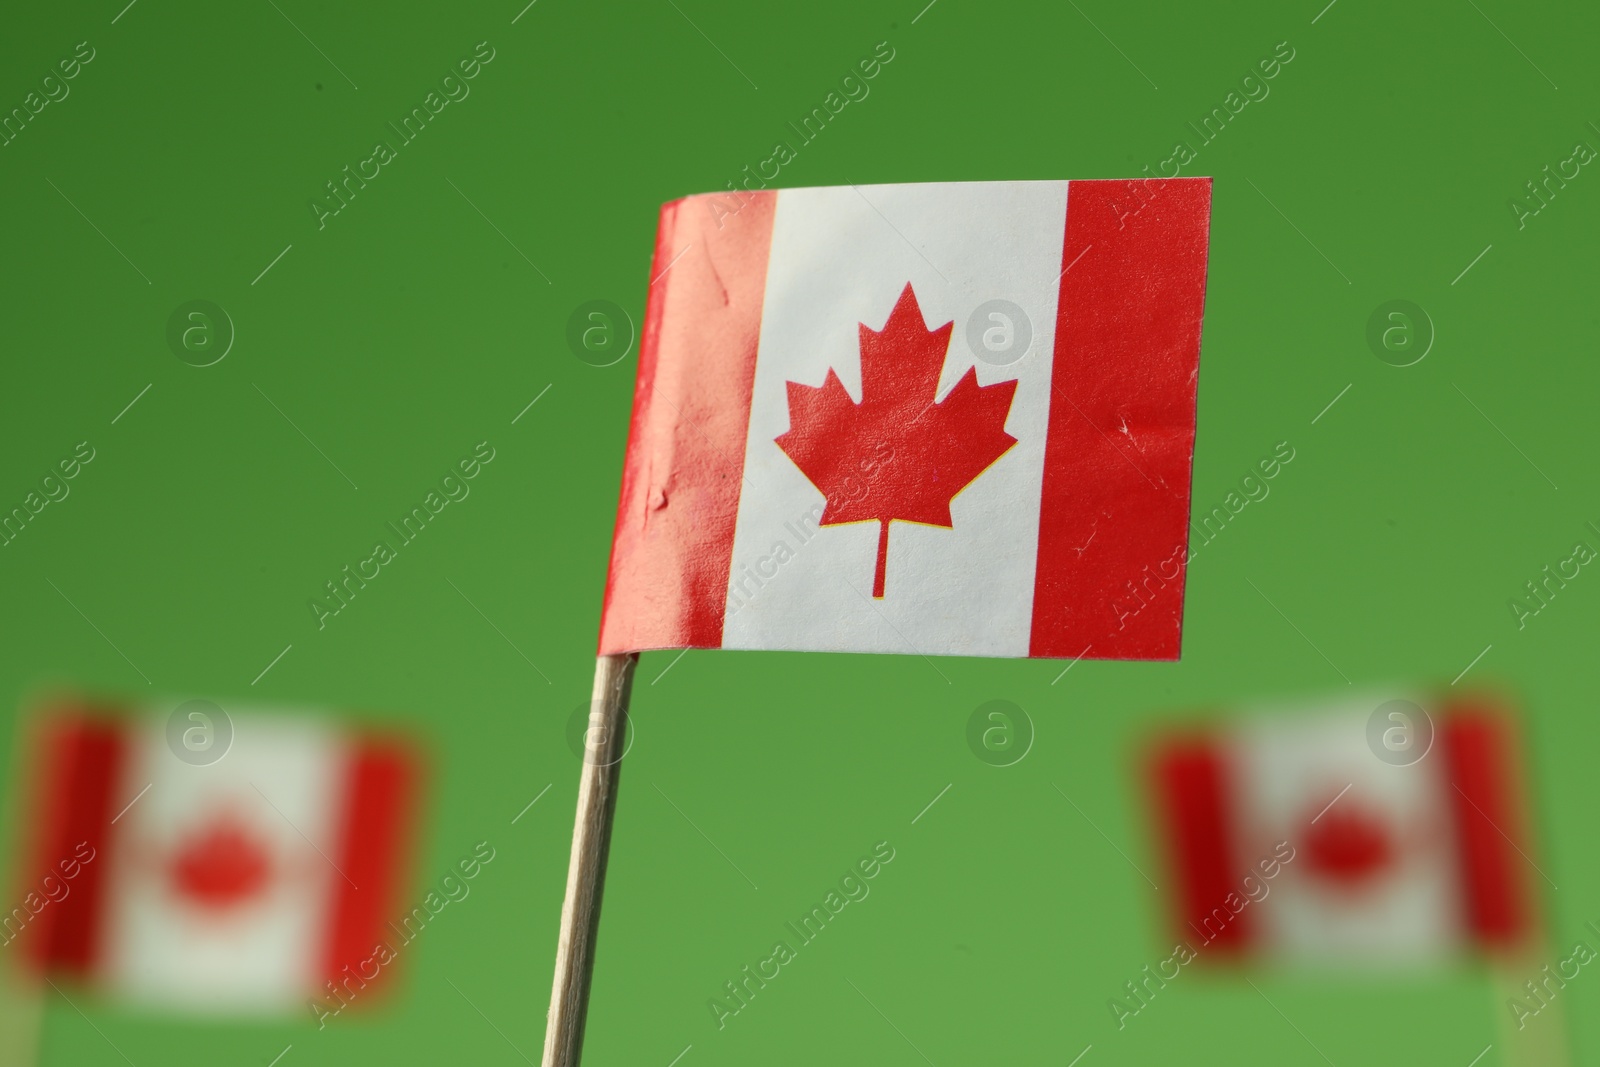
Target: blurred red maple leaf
900,454
1349,847
222,866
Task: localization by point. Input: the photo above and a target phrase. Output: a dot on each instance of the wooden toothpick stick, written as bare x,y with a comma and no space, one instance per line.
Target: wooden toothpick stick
604,744
21,1019
1543,1041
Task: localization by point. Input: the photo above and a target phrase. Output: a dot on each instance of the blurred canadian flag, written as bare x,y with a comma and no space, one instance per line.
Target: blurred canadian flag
238,882
1365,833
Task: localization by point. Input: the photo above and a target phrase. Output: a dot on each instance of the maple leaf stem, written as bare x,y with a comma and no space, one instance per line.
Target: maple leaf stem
883,559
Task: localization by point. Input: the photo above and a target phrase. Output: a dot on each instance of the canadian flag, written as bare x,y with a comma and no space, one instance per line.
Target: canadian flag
238,886
948,418
1371,832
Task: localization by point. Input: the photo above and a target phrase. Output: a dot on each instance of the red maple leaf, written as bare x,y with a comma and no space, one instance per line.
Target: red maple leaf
1348,846
899,454
220,867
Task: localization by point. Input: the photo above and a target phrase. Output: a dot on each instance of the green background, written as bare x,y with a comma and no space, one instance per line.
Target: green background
413,326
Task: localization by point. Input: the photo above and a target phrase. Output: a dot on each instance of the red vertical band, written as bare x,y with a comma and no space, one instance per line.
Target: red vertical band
1479,755
1191,783
668,582
380,796
1114,517
80,759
